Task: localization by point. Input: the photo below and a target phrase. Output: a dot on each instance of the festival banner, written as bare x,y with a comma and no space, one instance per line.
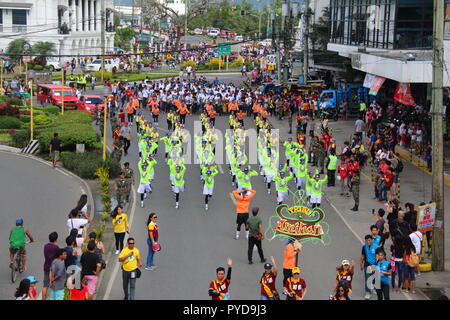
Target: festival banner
403,94
299,222
376,85
426,217
369,80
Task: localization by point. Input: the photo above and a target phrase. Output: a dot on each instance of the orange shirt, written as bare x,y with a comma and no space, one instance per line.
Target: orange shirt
182,109
242,203
289,256
155,110
256,107
233,106
240,115
208,107
212,114
130,108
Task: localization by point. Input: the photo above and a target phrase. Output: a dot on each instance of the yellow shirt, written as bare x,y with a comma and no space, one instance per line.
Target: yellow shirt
120,223
130,263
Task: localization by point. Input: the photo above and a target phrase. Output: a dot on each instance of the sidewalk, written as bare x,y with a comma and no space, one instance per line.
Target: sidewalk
415,188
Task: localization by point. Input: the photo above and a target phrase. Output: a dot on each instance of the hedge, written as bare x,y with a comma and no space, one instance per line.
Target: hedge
74,127
52,110
21,138
7,122
85,164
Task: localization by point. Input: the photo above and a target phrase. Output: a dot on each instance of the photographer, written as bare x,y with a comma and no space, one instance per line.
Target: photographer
76,221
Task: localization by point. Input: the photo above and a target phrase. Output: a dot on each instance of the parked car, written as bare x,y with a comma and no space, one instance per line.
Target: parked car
52,94
88,102
198,31
214,33
54,64
96,65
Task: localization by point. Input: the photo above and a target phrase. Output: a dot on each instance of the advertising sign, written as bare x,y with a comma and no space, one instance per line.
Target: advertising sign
426,217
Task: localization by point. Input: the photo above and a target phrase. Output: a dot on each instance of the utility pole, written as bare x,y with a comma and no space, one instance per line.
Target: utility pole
437,194
186,10
306,42
102,37
284,12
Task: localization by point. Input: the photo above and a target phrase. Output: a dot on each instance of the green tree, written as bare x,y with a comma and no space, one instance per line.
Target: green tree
17,47
320,31
123,37
42,48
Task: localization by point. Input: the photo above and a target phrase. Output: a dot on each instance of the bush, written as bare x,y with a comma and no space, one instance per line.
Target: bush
7,109
52,110
85,164
12,100
106,75
42,120
213,64
38,67
21,138
73,127
191,63
8,122
25,118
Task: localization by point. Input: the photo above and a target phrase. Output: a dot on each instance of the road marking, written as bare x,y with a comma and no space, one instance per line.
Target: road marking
220,168
117,266
233,198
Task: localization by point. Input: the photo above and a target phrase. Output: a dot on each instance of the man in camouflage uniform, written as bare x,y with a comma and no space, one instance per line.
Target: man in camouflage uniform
121,188
118,145
129,178
355,189
289,116
319,154
102,121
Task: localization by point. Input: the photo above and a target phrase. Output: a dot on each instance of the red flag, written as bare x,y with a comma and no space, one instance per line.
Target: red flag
403,94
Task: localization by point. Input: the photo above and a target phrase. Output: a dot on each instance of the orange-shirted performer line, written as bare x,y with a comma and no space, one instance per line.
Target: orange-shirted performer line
155,112
130,108
219,288
182,110
243,199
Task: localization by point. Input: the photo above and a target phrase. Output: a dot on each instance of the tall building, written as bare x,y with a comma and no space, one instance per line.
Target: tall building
388,38
74,26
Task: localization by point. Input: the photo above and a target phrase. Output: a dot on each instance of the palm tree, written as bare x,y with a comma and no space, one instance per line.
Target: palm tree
43,48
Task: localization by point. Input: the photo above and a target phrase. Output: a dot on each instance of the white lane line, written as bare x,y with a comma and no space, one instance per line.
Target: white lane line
233,198
354,233
117,266
220,168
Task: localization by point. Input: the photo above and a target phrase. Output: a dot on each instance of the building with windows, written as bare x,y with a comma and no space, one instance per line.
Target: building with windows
388,38
73,25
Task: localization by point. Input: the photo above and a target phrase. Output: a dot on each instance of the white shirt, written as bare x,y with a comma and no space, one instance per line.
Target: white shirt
416,239
76,223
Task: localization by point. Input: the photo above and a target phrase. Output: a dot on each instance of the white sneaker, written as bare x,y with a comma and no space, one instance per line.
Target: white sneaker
268,191
117,251
236,237
153,268
206,207
148,268
145,195
142,204
367,296
247,234
177,205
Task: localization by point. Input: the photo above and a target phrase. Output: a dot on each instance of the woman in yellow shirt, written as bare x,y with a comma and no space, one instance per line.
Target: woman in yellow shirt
120,223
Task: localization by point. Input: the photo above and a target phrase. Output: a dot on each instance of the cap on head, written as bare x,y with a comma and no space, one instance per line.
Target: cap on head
32,279
267,266
208,172
178,167
345,262
19,222
317,176
295,270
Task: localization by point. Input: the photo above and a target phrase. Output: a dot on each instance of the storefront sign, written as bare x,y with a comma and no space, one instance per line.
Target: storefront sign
403,94
376,85
426,218
369,80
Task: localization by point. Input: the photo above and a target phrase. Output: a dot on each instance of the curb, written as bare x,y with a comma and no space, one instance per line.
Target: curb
417,162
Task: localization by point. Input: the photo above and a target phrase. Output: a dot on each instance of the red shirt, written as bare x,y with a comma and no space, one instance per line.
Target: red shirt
219,287
389,179
122,116
343,172
76,294
295,287
268,285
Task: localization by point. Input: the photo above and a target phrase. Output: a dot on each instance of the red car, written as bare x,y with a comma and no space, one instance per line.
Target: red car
88,102
51,94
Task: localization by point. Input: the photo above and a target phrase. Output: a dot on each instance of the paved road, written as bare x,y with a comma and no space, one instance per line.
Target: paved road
196,242
43,197
192,40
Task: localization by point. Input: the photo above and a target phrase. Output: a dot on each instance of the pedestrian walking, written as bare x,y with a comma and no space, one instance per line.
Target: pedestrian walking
291,251
131,260
121,186
294,286
384,268
331,168
355,181
23,292
268,289
91,267
120,223
219,288
243,199
51,250
129,178
126,134
344,277
57,276
144,181
80,292
254,225
55,148
152,240
367,261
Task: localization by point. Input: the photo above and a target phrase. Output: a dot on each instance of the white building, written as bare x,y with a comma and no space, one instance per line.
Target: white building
73,25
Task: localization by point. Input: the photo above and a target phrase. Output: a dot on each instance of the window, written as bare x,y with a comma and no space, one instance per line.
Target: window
19,17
